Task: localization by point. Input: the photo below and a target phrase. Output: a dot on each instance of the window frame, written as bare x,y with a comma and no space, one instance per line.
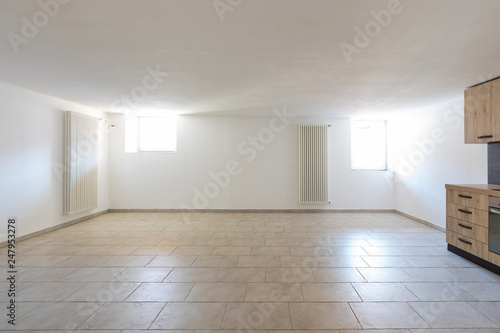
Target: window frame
133,133
353,168
139,136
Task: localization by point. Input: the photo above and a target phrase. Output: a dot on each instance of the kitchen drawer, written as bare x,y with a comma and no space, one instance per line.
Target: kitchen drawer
464,213
494,258
468,199
467,229
468,244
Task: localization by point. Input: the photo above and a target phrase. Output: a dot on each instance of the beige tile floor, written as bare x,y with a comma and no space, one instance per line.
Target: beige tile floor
268,273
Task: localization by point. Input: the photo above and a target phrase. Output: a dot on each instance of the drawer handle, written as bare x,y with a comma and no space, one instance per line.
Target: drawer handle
464,241
465,226
464,211
465,196
485,136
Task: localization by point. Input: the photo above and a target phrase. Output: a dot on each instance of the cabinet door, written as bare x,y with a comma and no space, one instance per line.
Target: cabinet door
478,119
495,109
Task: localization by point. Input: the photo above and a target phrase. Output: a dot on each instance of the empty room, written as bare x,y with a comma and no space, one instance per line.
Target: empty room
204,166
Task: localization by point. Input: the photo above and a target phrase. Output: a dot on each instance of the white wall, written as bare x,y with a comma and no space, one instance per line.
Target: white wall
427,151
267,180
31,142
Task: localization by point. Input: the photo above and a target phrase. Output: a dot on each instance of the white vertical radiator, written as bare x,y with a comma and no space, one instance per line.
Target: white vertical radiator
80,161
313,164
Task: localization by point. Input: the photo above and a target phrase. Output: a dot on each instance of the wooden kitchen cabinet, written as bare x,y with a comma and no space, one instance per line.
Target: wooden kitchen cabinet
467,223
482,112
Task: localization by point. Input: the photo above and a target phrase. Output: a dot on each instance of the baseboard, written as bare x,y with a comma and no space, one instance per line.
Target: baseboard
416,219
251,211
56,227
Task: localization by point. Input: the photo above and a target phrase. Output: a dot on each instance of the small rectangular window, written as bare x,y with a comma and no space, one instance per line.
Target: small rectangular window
157,134
368,145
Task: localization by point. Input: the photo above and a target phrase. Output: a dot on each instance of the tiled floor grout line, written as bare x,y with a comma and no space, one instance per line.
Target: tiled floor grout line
355,315
224,316
159,312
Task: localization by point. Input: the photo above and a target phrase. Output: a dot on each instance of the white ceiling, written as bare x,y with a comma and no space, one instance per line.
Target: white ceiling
263,54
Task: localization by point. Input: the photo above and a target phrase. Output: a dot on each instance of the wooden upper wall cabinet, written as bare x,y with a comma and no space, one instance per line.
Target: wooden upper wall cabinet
482,112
